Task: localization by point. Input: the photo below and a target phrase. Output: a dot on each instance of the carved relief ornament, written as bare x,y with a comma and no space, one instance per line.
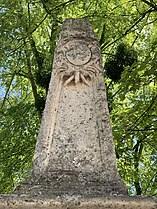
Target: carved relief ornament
78,63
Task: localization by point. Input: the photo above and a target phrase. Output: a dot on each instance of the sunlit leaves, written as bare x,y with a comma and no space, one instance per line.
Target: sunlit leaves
19,127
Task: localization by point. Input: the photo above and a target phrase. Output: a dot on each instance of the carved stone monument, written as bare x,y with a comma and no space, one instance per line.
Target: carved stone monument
74,165
75,151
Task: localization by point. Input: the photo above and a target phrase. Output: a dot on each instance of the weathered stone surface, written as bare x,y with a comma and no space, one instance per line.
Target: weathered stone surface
75,165
75,152
73,202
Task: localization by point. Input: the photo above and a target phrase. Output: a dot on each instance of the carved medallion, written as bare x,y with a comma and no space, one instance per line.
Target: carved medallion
78,67
78,54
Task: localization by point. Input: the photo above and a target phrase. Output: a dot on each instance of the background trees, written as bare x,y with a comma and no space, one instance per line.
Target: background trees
127,31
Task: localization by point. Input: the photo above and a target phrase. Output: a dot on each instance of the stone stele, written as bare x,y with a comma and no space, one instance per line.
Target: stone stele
75,160
75,152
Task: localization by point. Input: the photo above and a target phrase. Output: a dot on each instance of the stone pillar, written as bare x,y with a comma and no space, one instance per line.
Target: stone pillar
75,152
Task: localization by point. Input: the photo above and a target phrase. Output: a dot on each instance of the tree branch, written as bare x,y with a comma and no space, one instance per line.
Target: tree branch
127,31
141,116
39,24
29,14
6,94
154,6
30,76
102,35
37,55
48,12
22,74
137,155
145,129
56,7
140,31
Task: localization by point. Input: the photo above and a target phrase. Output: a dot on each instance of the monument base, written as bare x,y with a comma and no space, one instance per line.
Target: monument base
76,202
87,185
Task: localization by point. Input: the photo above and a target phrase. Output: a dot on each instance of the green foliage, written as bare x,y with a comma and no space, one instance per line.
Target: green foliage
29,32
115,65
43,78
19,127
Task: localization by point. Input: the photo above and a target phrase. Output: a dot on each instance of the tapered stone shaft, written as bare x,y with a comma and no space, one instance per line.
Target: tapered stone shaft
75,151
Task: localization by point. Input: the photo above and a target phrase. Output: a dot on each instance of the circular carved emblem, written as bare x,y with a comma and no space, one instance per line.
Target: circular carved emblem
78,54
